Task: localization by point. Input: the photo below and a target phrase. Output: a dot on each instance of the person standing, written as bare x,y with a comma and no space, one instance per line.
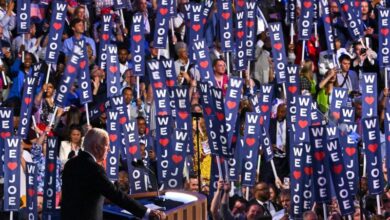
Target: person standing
85,184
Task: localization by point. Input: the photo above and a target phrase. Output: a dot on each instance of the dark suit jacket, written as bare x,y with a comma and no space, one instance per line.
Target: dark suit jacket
85,184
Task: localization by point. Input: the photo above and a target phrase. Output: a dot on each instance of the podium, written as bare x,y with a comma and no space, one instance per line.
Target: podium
177,205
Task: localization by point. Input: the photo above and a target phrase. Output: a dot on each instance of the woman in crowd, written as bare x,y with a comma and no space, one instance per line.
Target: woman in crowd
71,147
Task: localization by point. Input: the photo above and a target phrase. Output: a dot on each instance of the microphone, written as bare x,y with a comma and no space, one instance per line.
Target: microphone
138,163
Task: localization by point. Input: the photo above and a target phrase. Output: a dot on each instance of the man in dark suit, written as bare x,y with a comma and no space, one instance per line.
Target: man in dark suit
85,184
261,197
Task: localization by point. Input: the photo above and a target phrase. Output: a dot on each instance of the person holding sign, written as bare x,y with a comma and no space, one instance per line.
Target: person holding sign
85,183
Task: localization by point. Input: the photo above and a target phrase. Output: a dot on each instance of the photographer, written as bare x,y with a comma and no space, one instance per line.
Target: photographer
364,60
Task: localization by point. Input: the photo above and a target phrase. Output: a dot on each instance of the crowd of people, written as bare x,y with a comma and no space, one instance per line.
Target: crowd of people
318,74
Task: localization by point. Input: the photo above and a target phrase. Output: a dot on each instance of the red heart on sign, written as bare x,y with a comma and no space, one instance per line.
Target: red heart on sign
369,100
164,141
357,3
102,108
158,85
302,123
122,120
27,100
208,110
57,26
264,108
231,104
177,158
350,151
297,175
292,89
51,167
388,138
31,192
336,115
82,64
278,46
250,23
133,149
241,3
163,11
385,31
316,123
220,116
308,170
320,155
204,20
183,115
372,147
327,19
113,137
137,38
71,69
162,113
226,15
345,7
105,37
240,34
170,82
113,69
204,64
4,135
196,27
250,141
12,165
337,168
234,139
307,4
261,121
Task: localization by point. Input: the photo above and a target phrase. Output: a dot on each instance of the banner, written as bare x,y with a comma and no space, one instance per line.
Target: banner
113,73
183,116
291,13
251,30
177,157
339,177
6,130
339,100
303,119
350,155
351,19
292,91
326,18
137,45
12,174
104,40
317,118
305,25
321,176
120,4
70,73
194,26
114,134
23,20
204,64
307,176
250,149
31,188
266,97
218,133
240,57
55,33
162,145
27,104
278,51
170,72
387,135
214,175
384,37
49,189
234,161
265,143
84,78
370,94
162,25
371,138
347,115
225,25
231,105
297,155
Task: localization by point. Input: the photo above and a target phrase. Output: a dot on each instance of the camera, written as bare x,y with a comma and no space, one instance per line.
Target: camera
363,50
